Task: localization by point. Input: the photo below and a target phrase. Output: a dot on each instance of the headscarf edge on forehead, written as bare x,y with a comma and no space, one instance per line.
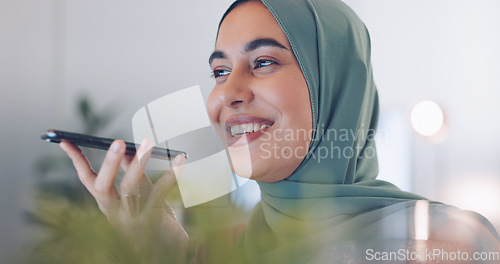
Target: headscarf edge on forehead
292,44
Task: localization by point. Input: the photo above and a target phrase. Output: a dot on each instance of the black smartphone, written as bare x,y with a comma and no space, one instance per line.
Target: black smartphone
56,136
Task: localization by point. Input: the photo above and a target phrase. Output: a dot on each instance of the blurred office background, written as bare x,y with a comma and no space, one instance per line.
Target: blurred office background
125,54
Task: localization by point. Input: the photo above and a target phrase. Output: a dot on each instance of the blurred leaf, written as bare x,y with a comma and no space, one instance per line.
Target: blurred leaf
85,108
94,121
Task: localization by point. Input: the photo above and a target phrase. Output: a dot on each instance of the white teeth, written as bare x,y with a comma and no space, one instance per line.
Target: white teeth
256,127
234,130
248,128
243,129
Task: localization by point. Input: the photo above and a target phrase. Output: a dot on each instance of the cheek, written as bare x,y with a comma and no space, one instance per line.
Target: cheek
290,96
214,108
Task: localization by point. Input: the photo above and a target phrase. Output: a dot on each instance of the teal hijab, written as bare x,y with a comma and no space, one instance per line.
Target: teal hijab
333,196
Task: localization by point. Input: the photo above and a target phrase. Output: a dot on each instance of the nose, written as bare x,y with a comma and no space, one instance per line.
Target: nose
236,91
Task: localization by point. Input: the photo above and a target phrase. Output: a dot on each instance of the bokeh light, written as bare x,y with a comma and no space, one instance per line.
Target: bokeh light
427,118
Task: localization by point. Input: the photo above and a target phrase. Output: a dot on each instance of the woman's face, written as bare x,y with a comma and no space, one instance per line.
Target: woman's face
260,103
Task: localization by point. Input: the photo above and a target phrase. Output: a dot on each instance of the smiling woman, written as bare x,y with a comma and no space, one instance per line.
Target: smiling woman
259,90
297,66
289,74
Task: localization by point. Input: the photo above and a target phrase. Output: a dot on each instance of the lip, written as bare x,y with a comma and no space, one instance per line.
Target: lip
244,119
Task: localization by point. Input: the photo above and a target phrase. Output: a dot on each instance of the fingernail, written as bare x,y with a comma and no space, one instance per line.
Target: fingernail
144,147
177,161
116,147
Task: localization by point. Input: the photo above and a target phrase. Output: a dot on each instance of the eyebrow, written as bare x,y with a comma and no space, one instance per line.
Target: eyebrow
250,46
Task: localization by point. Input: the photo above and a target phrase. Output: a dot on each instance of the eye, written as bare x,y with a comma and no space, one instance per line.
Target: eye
220,72
263,63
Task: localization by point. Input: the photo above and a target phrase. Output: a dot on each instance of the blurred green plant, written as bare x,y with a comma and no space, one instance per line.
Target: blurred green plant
77,233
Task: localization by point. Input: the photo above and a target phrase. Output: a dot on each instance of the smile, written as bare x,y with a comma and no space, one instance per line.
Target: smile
244,129
244,125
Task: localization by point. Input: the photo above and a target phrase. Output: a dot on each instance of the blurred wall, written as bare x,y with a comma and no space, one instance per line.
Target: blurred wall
126,54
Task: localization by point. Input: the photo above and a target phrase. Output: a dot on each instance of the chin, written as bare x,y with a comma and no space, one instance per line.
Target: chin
245,159
241,161
244,167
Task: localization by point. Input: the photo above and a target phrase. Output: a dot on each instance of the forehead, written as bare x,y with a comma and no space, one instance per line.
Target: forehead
249,21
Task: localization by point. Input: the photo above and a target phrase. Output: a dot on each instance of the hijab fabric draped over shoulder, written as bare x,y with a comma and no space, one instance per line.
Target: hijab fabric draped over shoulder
333,197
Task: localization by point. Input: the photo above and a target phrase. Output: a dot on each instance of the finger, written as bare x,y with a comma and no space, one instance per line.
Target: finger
104,184
85,172
132,178
125,163
165,183
145,185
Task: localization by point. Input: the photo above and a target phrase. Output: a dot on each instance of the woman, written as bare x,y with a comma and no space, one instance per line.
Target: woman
290,75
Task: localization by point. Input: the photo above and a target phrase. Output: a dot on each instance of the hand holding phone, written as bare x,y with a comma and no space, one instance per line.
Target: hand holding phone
137,207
